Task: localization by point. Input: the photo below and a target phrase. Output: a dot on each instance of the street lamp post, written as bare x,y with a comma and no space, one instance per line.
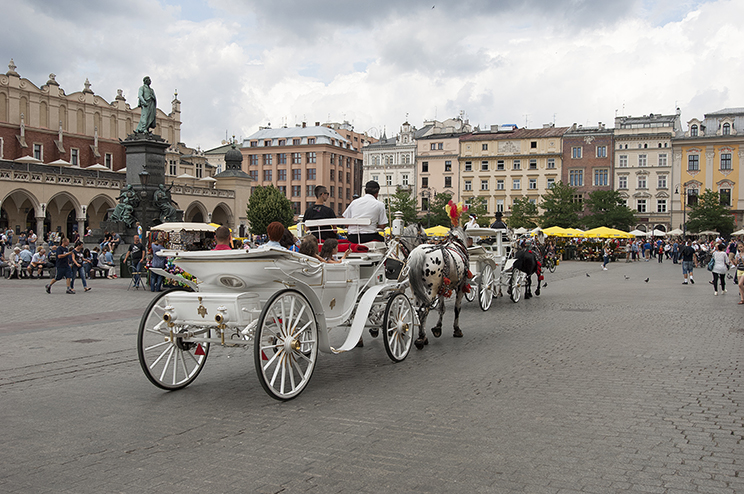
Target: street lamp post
684,207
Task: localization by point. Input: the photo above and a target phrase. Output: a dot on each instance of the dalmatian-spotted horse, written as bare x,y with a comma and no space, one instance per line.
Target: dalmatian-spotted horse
435,271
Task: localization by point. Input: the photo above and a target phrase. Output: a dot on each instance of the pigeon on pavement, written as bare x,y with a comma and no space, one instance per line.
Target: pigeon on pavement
646,280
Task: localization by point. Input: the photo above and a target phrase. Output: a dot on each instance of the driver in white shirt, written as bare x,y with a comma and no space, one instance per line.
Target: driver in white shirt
367,206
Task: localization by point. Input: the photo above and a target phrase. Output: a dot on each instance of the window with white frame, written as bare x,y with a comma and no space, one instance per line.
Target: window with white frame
433,146
641,205
468,166
533,164
663,159
551,163
661,205
550,183
468,185
725,161
724,196
376,178
601,177
484,166
500,184
576,152
726,129
75,157
622,161
199,170
108,161
576,178
516,184
622,182
693,131
39,152
642,160
484,185
624,202
662,182
500,164
404,179
484,147
601,151
388,180
532,184
499,205
517,165
448,166
533,200
693,162
641,181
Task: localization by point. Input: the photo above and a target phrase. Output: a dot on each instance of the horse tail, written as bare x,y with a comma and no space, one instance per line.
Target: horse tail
416,266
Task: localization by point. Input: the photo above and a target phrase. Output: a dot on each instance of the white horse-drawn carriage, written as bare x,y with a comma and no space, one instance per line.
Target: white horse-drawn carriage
283,303
492,267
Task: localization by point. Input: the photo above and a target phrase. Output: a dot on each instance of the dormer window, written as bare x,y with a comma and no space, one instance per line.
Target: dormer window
693,131
726,129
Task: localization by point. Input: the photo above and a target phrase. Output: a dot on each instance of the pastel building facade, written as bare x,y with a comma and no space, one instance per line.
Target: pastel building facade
709,156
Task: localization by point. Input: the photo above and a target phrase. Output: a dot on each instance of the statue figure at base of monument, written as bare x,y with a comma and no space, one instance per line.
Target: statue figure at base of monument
124,211
162,199
148,103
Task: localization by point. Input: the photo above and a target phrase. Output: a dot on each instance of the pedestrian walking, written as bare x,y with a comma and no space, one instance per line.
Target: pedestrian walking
688,262
739,260
720,267
62,266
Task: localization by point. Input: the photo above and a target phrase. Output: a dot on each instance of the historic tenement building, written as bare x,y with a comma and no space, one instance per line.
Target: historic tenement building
61,162
297,159
643,167
588,154
392,161
708,156
502,165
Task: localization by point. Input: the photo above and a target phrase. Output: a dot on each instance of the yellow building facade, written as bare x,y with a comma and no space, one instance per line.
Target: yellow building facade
709,156
502,165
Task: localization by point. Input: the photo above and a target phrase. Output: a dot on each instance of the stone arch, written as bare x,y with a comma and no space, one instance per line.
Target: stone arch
222,214
60,206
17,205
196,212
660,227
97,209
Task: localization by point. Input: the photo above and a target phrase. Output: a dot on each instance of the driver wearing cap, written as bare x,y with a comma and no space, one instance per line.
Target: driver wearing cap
367,206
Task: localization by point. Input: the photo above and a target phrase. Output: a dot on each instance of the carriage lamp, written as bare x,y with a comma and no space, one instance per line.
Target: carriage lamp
169,316
221,317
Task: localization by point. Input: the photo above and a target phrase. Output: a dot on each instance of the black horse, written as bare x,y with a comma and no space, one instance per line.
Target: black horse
528,260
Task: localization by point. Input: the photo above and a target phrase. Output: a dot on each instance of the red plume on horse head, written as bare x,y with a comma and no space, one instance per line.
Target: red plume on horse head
455,211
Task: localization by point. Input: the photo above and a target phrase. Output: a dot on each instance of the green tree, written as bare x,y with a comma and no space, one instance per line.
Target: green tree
607,209
523,214
268,204
404,202
479,207
437,215
560,208
709,214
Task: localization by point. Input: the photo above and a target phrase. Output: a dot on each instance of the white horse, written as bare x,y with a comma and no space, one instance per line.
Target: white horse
435,271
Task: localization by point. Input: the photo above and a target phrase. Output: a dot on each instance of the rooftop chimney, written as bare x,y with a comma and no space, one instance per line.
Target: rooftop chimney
304,124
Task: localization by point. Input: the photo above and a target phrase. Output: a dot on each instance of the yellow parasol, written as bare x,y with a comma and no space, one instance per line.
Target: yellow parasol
605,232
437,231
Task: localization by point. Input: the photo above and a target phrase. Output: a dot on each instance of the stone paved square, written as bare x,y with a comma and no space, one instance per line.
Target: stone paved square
601,384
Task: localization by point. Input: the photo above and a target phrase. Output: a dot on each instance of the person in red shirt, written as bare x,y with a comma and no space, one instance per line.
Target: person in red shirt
222,235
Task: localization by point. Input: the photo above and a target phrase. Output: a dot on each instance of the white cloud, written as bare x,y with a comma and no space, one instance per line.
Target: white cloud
238,64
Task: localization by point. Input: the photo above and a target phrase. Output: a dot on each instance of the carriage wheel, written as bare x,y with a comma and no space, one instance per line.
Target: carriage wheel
486,287
398,327
470,296
551,266
517,285
286,344
167,364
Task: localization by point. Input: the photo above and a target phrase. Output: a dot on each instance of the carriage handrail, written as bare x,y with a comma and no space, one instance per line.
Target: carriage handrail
338,222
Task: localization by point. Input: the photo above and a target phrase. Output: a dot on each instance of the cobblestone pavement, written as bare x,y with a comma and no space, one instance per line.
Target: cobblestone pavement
601,384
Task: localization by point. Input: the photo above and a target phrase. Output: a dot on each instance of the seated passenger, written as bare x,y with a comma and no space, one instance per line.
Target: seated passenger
222,236
288,241
275,231
367,207
309,247
329,252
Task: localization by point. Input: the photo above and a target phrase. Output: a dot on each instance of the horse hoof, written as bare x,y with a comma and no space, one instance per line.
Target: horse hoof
419,344
457,333
437,332
426,341
374,332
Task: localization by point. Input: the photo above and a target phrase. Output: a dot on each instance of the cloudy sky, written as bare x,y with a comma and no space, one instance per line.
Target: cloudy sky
238,64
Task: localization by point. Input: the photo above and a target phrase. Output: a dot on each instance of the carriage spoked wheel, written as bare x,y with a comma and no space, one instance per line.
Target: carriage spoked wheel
286,344
486,288
169,363
517,285
470,296
398,326
551,265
